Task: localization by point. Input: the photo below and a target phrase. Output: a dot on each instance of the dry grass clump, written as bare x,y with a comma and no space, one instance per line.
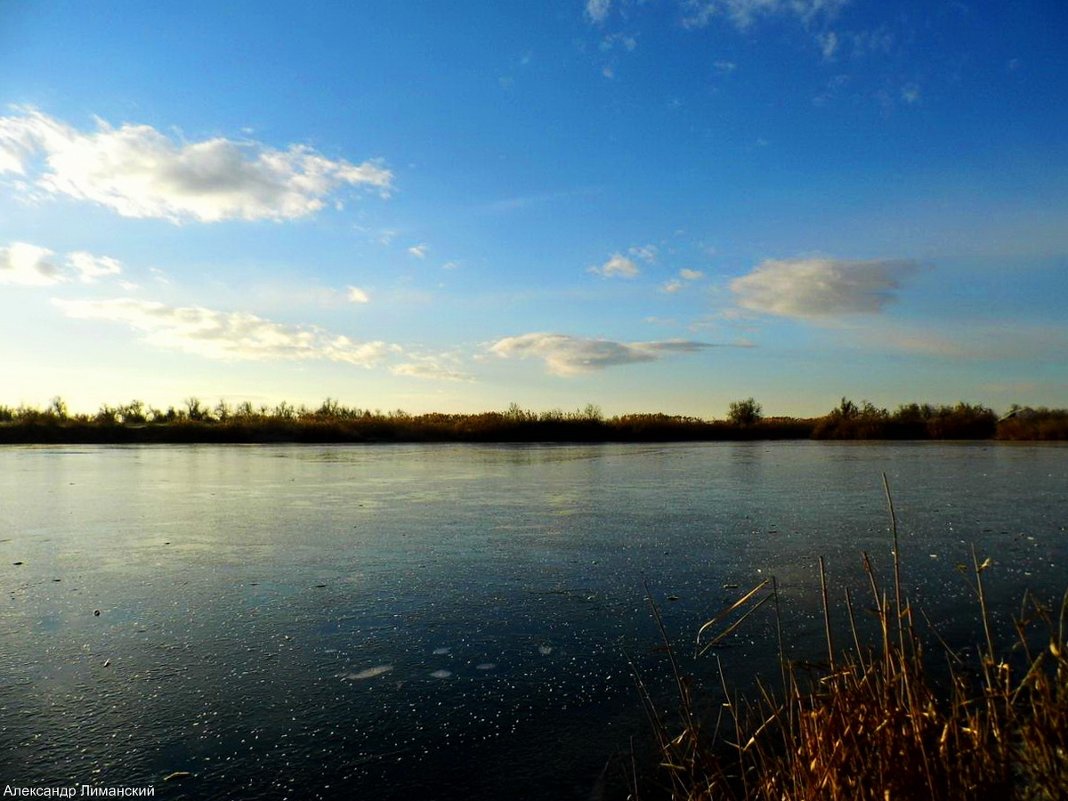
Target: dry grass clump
872,723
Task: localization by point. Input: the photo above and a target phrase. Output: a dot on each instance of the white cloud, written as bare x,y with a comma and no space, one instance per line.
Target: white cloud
357,295
828,43
226,335
619,265
646,253
698,13
10,156
419,251
90,267
567,355
725,67
910,93
31,265
813,288
429,367
597,10
28,265
654,320
877,41
623,40
677,284
139,172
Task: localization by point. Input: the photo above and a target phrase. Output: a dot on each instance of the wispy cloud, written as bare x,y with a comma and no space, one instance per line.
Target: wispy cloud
833,87
567,355
646,253
910,93
226,335
597,10
437,368
877,41
356,295
139,172
534,200
419,251
828,43
622,40
90,267
815,288
963,340
685,276
742,13
618,266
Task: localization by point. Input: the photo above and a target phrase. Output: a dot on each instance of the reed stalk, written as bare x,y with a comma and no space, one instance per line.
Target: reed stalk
873,724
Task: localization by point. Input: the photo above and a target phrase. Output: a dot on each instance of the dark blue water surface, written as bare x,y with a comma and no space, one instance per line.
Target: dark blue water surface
447,622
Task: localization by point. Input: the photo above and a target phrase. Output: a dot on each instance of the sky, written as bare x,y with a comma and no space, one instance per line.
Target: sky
647,205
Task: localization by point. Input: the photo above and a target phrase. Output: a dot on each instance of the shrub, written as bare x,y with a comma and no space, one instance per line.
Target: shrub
744,412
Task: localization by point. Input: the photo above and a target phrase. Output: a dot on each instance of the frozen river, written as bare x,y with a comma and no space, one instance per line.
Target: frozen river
443,622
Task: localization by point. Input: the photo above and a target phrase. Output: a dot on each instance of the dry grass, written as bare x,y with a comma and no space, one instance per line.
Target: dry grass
872,723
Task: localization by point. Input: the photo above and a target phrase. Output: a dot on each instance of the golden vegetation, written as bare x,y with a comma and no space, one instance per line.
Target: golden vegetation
872,723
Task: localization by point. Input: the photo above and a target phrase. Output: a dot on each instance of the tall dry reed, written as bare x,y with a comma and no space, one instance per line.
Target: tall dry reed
872,723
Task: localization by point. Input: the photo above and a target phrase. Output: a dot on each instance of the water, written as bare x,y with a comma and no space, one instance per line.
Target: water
445,622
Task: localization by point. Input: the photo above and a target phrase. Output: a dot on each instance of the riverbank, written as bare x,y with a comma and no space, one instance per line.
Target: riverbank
333,423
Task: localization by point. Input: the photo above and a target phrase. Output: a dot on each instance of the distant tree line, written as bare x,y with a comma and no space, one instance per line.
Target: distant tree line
331,421
911,421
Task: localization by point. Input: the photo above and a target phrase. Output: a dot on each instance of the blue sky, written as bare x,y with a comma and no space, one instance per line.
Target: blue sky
650,205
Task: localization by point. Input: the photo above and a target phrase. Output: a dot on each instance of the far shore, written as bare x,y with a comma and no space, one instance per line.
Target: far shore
135,423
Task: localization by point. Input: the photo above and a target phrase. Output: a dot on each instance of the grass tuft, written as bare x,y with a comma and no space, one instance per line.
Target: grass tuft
872,722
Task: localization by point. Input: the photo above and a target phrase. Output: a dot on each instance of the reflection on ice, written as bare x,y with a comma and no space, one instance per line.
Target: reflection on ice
440,651
441,674
485,666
